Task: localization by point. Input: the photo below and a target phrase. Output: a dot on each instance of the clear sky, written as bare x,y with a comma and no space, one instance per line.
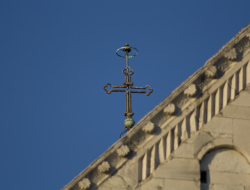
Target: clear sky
56,56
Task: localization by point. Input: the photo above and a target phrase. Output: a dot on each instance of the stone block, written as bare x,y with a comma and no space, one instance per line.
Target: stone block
115,181
225,160
171,184
185,150
242,100
223,141
104,188
219,125
229,178
222,187
153,184
129,172
177,168
241,133
221,135
218,142
237,112
201,140
190,148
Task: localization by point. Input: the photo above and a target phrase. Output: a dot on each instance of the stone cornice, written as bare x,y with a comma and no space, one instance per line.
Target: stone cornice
136,136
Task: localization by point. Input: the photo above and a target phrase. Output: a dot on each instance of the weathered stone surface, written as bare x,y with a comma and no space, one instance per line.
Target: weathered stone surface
238,112
185,150
170,109
241,132
221,135
123,150
104,167
129,173
218,142
153,184
222,187
114,183
211,72
222,142
226,169
201,140
84,183
191,90
104,188
229,178
242,100
149,127
219,125
190,148
170,184
225,160
178,168
231,54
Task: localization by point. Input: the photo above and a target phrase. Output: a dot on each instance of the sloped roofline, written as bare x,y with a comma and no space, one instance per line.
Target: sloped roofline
221,60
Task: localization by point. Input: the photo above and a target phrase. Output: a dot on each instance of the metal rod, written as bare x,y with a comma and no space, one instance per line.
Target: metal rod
130,102
127,93
126,58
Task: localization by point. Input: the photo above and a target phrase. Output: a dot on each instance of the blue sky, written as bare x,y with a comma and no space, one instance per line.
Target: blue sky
56,56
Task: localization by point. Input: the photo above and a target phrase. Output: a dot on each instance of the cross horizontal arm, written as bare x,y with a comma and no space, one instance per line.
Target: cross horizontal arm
109,92
144,88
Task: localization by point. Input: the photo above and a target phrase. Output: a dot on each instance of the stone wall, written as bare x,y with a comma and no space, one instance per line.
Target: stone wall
221,148
224,169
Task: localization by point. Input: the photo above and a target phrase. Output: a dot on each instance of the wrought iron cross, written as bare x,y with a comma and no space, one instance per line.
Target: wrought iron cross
128,87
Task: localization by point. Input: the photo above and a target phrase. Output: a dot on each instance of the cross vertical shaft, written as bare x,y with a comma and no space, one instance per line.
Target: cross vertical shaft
128,108
128,113
128,86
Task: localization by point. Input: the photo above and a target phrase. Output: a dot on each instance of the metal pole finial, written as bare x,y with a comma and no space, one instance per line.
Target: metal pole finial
128,49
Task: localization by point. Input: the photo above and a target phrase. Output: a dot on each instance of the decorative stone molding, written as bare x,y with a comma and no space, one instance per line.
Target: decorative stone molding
104,167
184,136
196,119
224,66
231,54
84,183
248,35
243,44
149,127
182,102
123,150
170,109
190,91
211,72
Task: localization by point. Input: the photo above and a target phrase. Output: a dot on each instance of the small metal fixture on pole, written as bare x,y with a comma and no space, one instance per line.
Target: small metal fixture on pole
128,87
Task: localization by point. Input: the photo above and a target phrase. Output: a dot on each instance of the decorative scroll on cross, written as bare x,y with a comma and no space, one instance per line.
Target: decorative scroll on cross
128,87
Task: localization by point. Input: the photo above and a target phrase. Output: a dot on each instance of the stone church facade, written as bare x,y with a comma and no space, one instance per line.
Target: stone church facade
197,138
